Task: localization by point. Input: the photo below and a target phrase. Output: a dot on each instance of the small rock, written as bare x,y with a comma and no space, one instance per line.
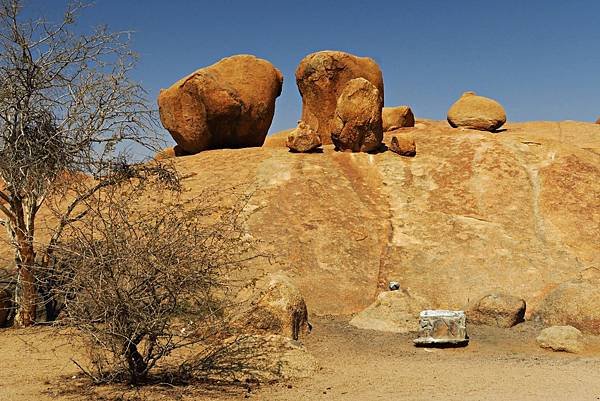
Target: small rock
397,117
498,310
561,338
303,139
403,146
394,286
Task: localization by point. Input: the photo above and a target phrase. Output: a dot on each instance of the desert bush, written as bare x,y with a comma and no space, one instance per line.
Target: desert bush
141,280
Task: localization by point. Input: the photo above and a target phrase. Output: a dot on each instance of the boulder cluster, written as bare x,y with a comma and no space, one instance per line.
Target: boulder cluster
231,104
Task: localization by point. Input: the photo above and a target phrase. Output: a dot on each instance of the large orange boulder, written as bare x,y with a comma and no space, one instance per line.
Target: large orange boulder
357,124
598,120
321,77
476,112
229,104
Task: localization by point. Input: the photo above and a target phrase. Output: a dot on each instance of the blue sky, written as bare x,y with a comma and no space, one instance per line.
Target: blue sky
540,59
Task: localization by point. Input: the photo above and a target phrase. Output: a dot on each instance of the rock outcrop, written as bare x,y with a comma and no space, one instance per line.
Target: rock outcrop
561,338
575,303
321,77
357,123
500,310
403,145
303,139
278,309
476,112
397,117
393,311
598,120
229,104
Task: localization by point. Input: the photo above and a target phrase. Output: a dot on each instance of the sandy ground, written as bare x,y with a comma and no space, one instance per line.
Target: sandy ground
356,365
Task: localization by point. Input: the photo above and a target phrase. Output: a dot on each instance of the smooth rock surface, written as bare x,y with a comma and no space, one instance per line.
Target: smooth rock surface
500,310
561,338
476,112
321,77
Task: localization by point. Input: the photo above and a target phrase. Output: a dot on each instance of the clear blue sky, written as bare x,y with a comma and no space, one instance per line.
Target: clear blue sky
539,58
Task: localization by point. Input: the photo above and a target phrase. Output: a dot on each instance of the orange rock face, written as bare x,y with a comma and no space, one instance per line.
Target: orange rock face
229,104
357,124
321,77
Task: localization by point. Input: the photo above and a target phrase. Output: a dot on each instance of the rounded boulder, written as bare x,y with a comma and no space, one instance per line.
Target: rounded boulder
500,310
229,104
357,124
476,112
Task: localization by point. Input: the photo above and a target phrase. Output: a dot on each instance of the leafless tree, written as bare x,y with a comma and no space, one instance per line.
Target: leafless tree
141,280
67,106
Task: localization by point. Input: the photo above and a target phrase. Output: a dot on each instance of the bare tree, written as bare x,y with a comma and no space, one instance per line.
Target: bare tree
143,280
67,104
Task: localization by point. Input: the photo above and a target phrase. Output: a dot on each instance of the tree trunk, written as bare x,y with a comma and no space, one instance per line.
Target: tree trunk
26,294
137,365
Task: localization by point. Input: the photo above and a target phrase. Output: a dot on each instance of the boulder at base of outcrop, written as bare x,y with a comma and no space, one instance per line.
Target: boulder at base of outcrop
279,308
261,358
303,139
5,306
321,77
229,104
397,117
498,310
575,303
476,112
404,146
357,124
561,338
169,153
393,311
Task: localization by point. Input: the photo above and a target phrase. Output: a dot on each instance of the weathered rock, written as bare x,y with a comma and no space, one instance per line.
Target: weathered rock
6,305
303,139
442,327
394,311
476,112
357,123
404,146
229,104
264,358
500,310
321,77
561,338
397,117
575,303
278,309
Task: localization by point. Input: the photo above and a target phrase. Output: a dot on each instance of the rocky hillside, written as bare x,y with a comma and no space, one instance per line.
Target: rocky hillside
474,212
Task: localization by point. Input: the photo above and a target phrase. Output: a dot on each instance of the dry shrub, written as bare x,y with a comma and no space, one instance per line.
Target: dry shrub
141,281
